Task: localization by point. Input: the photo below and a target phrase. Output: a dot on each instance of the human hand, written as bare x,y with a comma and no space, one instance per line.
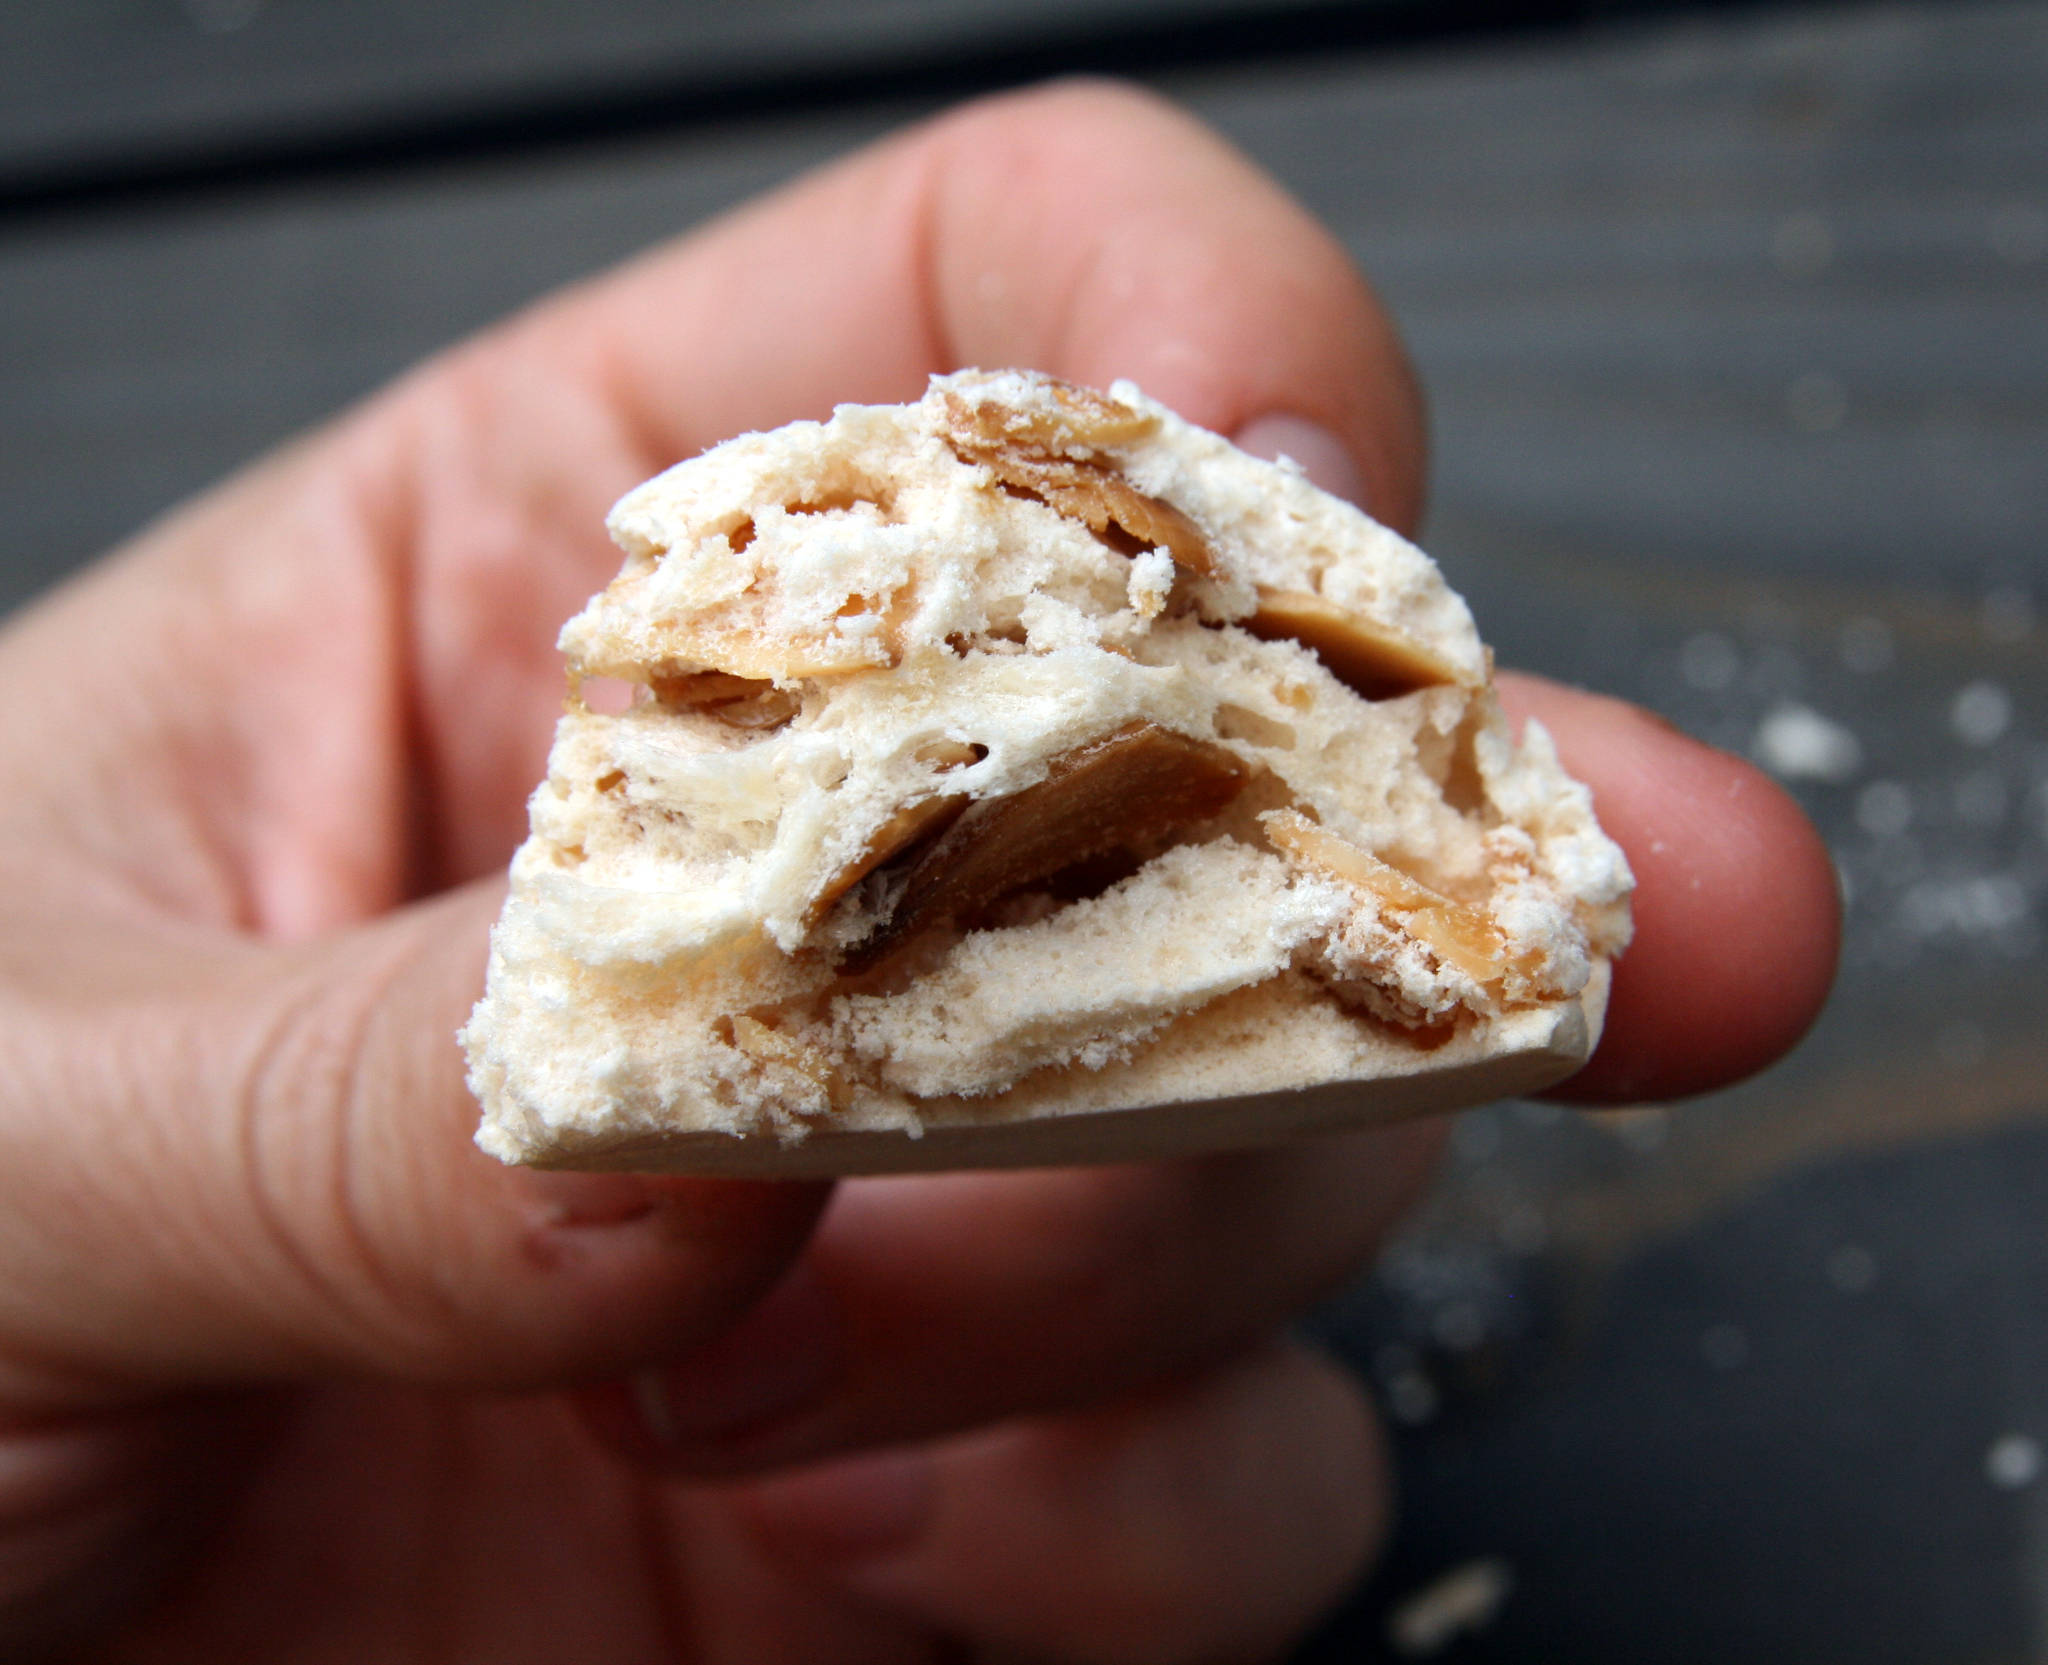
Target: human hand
283,1358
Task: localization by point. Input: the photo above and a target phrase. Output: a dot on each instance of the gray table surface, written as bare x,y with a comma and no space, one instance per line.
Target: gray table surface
94,86
1736,331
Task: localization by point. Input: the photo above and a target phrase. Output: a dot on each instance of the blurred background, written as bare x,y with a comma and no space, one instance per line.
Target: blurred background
1735,323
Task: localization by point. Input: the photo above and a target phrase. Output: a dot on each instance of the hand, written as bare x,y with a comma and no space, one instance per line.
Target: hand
282,1357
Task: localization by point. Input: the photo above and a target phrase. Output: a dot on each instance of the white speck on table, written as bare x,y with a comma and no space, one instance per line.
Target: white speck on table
1795,742
2013,1461
1465,1599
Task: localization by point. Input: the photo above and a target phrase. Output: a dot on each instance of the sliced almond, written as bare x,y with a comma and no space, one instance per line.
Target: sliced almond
1108,504
1062,460
924,819
1370,658
763,1041
949,754
1083,421
743,650
744,701
1458,934
1137,785
895,835
732,640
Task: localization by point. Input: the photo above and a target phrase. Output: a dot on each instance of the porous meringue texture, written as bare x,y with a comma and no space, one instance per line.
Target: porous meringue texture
1026,775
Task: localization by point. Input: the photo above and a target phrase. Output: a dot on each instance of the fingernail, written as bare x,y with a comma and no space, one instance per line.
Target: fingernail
1323,457
780,1360
856,1509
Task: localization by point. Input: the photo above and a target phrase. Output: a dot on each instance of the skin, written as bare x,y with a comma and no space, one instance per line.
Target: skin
288,1371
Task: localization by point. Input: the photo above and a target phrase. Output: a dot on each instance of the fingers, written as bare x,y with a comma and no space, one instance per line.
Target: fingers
1086,229
1737,914
264,1170
1215,1521
925,1306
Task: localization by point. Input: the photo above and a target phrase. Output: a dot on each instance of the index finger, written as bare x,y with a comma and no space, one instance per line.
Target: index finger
1738,918
1085,229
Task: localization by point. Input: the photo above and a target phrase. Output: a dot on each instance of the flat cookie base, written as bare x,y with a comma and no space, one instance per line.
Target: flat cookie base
1537,1050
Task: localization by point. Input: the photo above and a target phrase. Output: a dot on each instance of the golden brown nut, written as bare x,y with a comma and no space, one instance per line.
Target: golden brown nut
1060,461
1370,658
910,824
1124,791
743,701
1457,933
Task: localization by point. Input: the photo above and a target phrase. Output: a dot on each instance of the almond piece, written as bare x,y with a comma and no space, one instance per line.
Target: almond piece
924,819
764,1042
1062,462
1369,658
1087,422
743,701
1458,934
889,840
1136,785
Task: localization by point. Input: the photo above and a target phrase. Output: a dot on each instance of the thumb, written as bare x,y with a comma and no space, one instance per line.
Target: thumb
262,1169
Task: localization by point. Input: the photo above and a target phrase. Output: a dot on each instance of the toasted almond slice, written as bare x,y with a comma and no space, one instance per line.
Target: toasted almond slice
1061,461
704,687
1138,784
924,819
906,827
1108,503
743,701
949,754
1086,423
731,640
737,647
1458,934
1370,658
762,1040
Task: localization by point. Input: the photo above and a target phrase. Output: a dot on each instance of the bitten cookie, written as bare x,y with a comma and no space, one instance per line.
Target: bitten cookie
1025,775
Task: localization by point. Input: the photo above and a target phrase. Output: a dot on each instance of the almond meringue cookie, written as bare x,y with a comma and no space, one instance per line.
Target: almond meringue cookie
1025,775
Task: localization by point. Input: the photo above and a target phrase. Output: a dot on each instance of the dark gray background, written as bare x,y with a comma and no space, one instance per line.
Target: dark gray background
1735,324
